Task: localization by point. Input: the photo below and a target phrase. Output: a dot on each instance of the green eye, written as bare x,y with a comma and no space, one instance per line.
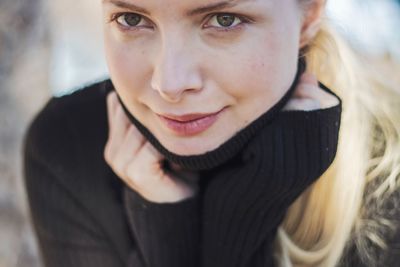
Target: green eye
129,19
225,20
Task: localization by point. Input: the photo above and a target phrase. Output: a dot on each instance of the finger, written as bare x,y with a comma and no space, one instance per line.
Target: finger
171,183
302,104
307,83
133,140
111,104
146,176
128,149
109,148
309,88
309,78
149,156
152,182
316,93
119,124
147,163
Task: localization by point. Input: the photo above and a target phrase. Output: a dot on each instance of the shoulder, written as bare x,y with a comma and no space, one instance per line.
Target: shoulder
76,106
67,138
65,173
68,120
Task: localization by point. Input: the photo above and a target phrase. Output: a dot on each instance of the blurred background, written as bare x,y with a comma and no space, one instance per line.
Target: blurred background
50,48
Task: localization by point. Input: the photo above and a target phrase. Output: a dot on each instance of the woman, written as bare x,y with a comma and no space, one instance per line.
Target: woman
213,144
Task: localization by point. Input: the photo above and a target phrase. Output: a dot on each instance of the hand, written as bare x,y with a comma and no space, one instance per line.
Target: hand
138,163
245,201
308,95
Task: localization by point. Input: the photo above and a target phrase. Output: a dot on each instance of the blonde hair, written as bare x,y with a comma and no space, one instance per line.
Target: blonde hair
335,212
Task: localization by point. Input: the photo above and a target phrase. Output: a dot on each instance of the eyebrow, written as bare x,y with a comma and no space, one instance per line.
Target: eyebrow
213,7
196,11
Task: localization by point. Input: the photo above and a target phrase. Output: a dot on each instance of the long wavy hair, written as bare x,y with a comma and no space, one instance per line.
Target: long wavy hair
339,211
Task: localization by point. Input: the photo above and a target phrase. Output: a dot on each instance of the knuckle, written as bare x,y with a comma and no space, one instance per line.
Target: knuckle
108,152
106,156
134,175
118,167
114,162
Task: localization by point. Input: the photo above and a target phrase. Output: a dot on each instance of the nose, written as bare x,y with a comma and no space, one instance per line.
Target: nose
175,71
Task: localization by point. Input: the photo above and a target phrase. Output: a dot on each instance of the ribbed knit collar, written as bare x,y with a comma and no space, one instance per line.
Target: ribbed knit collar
229,148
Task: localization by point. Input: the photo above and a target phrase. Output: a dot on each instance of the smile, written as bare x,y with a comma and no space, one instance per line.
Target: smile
190,124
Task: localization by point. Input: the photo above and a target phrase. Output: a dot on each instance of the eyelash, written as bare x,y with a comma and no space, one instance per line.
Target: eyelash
243,20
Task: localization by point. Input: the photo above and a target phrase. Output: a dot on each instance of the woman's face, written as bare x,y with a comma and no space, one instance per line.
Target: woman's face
195,72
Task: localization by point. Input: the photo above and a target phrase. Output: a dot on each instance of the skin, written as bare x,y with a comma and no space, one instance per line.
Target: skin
245,70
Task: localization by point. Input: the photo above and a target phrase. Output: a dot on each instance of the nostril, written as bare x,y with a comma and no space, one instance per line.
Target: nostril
174,78
170,96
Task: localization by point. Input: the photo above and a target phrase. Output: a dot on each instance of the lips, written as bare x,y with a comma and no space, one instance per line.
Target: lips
189,124
188,117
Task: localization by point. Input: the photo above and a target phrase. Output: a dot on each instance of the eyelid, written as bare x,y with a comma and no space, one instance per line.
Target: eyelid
243,20
116,16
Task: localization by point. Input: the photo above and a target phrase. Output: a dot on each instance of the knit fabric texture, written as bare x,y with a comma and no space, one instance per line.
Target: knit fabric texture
84,215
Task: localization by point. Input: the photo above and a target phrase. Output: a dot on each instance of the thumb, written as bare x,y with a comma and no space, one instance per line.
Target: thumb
152,181
305,96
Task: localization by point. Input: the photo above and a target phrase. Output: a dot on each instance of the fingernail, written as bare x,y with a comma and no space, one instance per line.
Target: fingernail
310,78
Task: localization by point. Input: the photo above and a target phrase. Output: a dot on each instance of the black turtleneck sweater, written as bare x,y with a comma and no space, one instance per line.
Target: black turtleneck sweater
84,215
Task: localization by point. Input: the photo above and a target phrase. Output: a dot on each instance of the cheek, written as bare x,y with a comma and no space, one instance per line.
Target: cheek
126,65
274,62
247,73
119,60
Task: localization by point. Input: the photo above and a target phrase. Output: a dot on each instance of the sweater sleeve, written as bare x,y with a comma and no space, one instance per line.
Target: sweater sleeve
60,178
245,202
68,231
67,234
168,234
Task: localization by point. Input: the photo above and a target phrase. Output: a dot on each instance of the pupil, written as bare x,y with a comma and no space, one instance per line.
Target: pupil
225,20
132,19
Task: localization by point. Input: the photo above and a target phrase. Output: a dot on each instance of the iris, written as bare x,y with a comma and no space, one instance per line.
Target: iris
225,20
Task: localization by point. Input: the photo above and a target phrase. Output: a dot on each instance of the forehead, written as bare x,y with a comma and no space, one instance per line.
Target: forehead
189,7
